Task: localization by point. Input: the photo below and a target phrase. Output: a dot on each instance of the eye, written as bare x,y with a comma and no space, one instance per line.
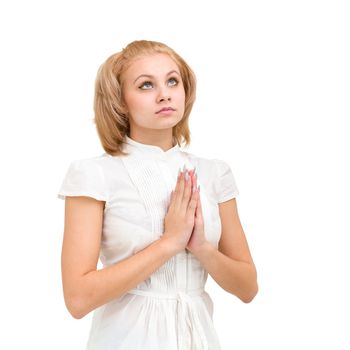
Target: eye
174,79
144,85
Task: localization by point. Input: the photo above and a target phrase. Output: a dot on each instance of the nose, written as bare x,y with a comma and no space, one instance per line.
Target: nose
164,95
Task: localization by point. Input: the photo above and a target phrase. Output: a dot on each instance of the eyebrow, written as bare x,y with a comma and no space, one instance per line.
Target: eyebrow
151,76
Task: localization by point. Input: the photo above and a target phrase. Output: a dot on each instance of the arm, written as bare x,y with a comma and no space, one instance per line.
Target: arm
231,266
86,288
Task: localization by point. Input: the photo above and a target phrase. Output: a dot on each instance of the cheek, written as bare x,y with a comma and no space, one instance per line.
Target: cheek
133,101
181,97
181,94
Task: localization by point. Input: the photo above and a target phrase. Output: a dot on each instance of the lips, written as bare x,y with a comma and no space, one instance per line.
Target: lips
166,109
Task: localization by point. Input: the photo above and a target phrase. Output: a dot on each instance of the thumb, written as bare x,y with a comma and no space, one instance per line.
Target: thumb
171,201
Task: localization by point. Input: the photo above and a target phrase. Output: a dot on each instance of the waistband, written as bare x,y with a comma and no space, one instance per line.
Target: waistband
167,295
190,331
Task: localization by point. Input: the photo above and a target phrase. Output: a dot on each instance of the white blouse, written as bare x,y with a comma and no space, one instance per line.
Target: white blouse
170,310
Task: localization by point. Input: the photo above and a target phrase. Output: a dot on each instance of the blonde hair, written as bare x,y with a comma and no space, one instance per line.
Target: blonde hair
111,118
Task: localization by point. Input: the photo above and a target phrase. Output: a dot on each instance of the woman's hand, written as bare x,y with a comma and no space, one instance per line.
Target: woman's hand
197,239
179,220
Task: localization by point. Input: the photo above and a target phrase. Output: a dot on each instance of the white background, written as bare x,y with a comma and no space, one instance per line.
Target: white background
272,100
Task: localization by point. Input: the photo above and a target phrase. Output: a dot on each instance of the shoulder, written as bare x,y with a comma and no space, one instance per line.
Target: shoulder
103,163
96,176
101,168
103,159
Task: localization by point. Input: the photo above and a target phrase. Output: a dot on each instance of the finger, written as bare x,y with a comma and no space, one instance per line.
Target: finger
194,188
172,196
171,201
175,191
192,203
177,185
180,190
199,205
195,180
187,191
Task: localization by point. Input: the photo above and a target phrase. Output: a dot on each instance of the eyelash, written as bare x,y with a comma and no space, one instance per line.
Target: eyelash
148,82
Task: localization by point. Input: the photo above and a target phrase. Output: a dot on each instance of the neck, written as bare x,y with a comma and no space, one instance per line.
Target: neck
163,140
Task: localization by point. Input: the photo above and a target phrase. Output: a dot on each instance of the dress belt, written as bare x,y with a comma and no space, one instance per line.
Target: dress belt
187,315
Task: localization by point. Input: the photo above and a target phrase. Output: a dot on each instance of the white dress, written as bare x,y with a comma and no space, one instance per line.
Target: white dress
170,310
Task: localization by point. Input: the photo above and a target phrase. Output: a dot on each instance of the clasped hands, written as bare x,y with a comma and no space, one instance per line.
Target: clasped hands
184,220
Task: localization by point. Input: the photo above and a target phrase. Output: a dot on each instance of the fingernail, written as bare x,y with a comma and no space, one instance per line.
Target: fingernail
194,171
186,176
199,188
178,174
184,168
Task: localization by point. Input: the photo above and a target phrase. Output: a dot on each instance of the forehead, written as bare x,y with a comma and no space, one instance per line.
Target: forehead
156,64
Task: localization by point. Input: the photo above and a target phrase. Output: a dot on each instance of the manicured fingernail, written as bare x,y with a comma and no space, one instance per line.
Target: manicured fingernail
184,168
194,171
186,176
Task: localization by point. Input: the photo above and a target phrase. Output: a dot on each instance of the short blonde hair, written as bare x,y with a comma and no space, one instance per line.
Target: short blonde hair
111,119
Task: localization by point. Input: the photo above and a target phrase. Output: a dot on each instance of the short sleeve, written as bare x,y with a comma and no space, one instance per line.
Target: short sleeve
84,178
225,184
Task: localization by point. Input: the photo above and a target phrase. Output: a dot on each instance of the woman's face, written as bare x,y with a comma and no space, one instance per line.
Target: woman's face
149,84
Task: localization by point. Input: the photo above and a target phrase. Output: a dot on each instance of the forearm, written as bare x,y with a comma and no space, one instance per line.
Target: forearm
98,287
236,277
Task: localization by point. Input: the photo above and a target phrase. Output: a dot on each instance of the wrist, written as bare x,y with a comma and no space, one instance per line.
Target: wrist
170,245
203,250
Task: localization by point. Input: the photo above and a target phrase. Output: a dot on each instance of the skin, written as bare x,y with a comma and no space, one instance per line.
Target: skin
231,265
145,96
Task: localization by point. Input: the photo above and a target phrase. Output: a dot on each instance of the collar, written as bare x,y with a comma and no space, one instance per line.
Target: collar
131,146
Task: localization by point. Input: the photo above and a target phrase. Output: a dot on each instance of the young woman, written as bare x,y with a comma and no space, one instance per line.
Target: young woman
159,218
